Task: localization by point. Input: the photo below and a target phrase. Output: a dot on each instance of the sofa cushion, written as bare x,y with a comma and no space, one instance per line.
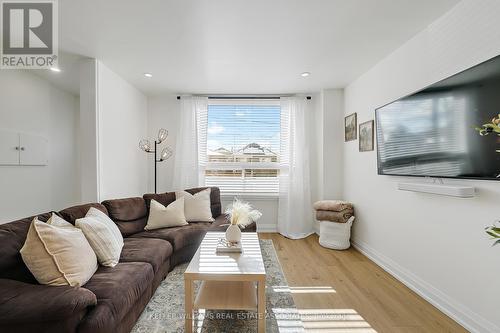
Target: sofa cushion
166,216
58,255
153,251
196,206
215,204
179,237
12,237
21,302
166,198
71,214
117,290
103,235
129,214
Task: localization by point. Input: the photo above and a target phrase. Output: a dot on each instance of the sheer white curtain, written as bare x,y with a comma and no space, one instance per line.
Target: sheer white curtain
295,217
191,146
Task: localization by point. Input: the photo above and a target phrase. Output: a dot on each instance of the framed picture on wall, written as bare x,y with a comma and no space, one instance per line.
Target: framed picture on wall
350,127
366,136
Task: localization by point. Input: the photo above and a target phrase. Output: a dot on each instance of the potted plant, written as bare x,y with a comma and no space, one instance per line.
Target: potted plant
494,232
240,215
484,130
489,128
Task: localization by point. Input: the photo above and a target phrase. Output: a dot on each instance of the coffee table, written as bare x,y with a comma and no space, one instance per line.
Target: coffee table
230,281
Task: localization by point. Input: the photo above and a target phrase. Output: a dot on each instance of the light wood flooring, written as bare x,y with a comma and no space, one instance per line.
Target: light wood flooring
344,291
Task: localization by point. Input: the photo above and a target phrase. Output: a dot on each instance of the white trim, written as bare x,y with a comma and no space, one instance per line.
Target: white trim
98,108
267,227
458,312
242,165
250,196
243,101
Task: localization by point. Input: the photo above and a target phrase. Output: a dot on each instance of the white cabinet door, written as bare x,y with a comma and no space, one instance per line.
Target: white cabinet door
9,148
34,150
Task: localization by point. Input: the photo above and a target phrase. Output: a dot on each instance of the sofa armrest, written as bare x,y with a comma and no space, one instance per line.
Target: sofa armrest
22,302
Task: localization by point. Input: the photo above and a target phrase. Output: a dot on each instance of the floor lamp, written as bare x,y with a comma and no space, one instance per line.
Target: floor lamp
166,153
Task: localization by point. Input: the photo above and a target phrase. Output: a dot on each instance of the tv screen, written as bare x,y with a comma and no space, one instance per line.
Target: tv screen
436,131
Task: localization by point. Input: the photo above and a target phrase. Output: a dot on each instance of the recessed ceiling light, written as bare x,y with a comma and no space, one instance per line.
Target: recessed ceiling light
148,75
305,74
55,69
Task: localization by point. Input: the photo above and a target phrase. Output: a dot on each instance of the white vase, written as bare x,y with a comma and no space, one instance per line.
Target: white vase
233,233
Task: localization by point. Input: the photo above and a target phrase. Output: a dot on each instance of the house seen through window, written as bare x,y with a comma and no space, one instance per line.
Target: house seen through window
243,144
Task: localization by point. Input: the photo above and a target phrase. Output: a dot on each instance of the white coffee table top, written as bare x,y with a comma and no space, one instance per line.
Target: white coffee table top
209,265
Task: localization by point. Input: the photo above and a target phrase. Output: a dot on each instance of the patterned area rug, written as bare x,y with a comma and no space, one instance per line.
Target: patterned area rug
165,311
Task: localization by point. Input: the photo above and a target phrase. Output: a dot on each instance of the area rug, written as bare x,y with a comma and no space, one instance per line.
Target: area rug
165,311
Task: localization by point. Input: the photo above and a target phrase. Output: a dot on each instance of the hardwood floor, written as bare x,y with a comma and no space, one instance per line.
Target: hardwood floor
343,291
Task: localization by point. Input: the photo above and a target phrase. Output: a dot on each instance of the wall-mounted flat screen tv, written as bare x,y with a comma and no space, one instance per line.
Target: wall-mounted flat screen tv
435,132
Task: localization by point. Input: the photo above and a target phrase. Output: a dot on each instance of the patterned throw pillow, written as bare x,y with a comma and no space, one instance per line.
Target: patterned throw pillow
103,235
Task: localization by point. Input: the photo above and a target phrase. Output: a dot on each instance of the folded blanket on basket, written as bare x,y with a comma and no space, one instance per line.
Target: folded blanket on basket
332,205
339,217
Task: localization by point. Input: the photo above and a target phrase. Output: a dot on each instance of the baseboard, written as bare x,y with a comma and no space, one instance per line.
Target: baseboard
458,312
267,227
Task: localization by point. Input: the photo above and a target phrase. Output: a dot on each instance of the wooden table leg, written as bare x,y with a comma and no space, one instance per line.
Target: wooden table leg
261,305
188,305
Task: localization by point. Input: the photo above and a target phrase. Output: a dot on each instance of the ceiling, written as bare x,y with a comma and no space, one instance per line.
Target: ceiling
241,46
69,77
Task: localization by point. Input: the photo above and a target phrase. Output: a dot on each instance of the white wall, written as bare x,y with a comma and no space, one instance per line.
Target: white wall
88,132
435,244
326,144
122,123
31,104
330,126
163,112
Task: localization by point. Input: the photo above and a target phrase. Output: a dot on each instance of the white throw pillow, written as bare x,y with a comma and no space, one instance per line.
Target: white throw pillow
57,221
103,235
58,256
197,206
165,217
99,215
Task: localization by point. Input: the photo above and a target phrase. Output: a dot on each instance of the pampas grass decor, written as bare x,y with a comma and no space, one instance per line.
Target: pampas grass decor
242,213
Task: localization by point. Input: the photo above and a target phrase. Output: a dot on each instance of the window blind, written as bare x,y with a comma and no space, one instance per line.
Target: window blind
242,146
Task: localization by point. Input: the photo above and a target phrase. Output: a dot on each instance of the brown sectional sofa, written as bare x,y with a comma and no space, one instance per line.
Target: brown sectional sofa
113,299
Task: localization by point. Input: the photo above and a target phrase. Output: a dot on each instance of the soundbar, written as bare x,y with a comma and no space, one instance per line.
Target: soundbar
440,189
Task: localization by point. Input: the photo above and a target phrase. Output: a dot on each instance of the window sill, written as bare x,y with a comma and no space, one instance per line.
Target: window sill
250,196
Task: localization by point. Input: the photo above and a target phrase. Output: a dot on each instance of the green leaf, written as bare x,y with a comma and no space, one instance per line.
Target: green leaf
492,234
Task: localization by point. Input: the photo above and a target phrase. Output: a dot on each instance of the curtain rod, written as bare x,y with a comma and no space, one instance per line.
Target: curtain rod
245,97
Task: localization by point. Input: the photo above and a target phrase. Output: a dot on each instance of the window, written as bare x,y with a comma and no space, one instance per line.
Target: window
243,144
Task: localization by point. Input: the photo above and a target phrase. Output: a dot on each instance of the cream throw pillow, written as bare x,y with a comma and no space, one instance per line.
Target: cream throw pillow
58,255
57,221
165,217
197,206
103,235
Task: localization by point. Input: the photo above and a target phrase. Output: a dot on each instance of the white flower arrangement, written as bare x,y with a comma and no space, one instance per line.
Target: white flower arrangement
242,213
